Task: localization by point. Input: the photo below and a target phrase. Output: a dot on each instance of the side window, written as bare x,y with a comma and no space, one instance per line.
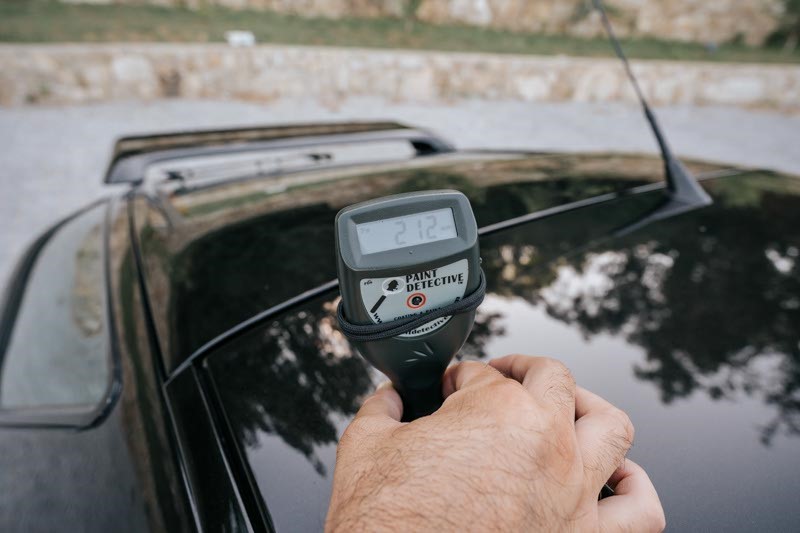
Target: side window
54,339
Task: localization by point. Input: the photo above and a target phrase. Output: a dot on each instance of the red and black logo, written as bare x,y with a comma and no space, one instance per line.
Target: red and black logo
416,300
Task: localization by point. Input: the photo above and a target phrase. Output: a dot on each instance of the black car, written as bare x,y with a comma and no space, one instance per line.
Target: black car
170,358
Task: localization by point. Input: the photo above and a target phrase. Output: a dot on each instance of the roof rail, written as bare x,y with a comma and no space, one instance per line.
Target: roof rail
133,154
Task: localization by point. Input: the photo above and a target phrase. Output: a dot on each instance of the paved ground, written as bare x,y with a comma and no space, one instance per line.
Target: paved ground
52,158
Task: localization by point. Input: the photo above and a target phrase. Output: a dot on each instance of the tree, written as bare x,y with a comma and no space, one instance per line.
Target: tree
789,29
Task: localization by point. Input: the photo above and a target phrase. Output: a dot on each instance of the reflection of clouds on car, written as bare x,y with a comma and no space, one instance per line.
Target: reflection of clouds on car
700,293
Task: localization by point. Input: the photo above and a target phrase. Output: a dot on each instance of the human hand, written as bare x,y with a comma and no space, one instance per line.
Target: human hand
515,446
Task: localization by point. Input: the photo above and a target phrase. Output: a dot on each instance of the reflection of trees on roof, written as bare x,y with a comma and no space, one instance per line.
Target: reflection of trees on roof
486,326
294,377
713,296
290,379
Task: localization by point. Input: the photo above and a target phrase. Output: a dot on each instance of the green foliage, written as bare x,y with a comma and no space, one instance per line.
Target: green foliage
792,12
791,24
411,8
787,35
51,21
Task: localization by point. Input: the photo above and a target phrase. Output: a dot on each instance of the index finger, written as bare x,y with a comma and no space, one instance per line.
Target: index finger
546,379
605,434
385,403
467,374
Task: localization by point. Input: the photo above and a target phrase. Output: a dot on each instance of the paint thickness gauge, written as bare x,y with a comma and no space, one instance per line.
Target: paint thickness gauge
410,279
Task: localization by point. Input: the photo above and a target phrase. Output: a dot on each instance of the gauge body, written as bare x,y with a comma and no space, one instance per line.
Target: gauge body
403,256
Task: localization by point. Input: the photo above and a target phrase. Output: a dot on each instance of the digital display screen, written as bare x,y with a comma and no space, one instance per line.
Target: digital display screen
408,230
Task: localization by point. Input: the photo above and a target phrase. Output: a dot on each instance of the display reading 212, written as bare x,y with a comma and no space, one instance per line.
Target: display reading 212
410,278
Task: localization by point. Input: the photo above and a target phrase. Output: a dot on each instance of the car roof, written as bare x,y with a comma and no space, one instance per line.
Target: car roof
217,254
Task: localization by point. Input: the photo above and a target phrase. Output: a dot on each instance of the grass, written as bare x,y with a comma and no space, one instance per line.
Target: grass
37,21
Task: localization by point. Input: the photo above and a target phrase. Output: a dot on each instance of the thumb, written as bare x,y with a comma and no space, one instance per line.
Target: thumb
384,403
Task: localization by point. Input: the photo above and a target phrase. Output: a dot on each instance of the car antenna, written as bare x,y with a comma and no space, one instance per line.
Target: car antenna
684,191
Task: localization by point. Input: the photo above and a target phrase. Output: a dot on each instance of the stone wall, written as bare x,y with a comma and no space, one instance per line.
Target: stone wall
703,21
66,74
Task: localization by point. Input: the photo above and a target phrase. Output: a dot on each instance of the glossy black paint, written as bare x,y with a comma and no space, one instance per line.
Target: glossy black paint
216,498
689,324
